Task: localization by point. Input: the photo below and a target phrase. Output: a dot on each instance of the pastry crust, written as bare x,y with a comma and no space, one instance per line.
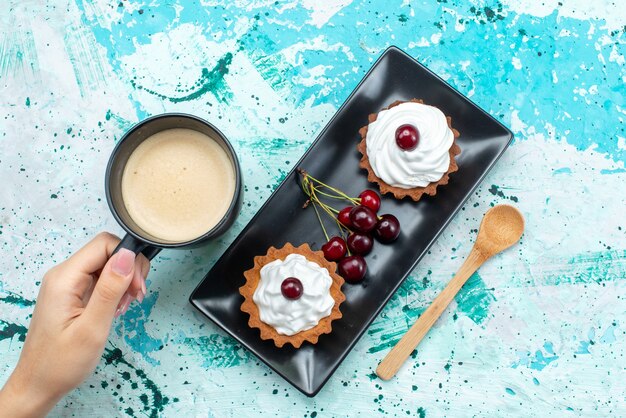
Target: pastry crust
252,281
415,193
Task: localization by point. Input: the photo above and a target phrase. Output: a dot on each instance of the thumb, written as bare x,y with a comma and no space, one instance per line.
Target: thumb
114,280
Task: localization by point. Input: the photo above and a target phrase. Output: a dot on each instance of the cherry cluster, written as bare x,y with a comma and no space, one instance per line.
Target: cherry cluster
359,224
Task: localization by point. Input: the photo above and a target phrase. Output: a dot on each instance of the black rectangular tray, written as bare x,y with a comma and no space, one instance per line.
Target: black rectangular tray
333,158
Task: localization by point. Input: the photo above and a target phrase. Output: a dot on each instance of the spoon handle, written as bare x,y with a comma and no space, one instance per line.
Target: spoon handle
401,351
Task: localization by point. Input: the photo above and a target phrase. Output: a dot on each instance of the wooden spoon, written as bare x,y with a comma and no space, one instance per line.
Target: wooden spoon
501,227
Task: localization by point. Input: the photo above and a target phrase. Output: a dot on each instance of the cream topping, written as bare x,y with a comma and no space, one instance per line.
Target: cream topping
287,316
427,163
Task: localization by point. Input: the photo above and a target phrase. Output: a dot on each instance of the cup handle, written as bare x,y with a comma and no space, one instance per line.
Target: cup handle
131,243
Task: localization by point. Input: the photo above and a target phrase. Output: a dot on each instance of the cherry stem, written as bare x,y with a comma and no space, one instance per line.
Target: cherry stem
327,207
320,221
330,195
312,191
338,193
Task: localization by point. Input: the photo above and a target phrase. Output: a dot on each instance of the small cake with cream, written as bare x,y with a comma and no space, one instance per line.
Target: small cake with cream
409,149
292,295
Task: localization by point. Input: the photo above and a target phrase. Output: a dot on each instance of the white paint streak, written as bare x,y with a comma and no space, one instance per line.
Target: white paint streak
421,43
611,12
323,11
293,53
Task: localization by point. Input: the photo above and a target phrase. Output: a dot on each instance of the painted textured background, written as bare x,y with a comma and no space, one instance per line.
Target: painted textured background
539,331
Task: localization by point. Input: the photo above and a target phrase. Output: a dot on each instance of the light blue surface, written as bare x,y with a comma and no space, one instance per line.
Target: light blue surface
538,331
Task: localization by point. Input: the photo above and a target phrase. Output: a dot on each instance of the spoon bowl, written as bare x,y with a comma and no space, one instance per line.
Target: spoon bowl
501,227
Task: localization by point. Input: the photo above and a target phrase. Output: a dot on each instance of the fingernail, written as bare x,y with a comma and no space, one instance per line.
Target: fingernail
125,306
124,262
143,287
118,312
125,300
140,297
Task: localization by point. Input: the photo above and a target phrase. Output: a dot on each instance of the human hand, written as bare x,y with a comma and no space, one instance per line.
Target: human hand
77,302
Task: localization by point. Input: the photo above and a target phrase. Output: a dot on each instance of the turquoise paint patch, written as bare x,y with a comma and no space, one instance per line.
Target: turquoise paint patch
599,266
275,71
591,267
497,191
510,391
539,361
615,171
584,345
132,327
210,81
562,170
274,146
18,52
131,30
390,332
609,335
218,351
16,300
123,123
9,330
388,340
475,298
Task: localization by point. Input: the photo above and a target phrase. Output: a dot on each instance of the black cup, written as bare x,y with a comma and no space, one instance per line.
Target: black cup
137,239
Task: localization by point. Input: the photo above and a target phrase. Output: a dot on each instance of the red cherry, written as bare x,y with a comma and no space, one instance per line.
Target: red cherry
344,216
360,243
353,268
387,228
363,219
291,288
407,137
334,249
370,199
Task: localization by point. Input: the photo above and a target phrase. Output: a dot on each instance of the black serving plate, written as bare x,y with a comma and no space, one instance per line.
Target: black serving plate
334,159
